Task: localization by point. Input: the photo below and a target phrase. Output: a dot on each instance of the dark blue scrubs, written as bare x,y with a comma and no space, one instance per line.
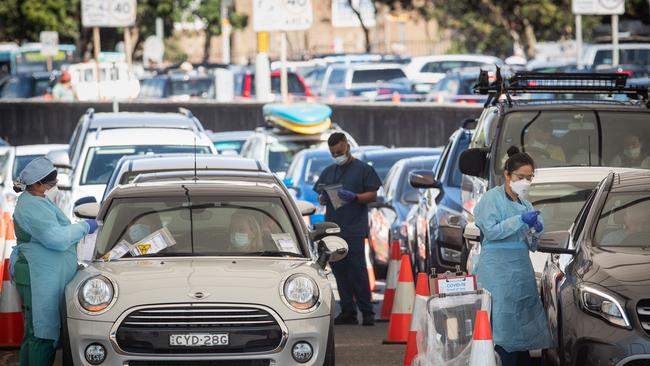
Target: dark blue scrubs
351,273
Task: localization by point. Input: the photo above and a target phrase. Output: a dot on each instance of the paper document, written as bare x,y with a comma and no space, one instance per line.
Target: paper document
153,243
86,248
118,251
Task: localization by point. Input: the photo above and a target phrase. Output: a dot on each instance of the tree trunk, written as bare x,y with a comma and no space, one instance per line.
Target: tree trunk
366,31
531,40
206,45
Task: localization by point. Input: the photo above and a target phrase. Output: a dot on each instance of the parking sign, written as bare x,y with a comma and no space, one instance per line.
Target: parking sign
49,43
282,15
108,13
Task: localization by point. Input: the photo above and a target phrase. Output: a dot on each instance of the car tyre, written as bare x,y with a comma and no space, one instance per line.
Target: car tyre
330,352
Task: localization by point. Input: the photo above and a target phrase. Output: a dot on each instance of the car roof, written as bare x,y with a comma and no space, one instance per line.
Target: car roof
203,162
455,57
147,136
419,160
636,181
41,149
574,105
374,154
144,119
229,135
368,66
575,174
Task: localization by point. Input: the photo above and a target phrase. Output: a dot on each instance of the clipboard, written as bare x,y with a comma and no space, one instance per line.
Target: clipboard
452,283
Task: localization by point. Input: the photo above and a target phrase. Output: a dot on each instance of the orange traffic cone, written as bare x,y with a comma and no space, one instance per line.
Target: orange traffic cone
11,317
371,271
396,97
419,317
391,281
482,353
400,317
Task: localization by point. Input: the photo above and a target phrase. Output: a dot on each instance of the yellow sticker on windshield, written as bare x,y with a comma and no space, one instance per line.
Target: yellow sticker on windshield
143,248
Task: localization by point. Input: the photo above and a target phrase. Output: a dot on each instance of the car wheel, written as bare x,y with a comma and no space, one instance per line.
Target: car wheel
330,352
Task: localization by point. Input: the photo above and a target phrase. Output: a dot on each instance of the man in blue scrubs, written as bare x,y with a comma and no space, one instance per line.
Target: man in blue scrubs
359,184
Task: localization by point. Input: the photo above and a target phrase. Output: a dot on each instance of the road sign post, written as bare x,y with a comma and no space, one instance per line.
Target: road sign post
49,46
598,7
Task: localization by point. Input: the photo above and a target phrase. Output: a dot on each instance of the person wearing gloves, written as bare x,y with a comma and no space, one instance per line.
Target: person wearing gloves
510,227
359,184
44,259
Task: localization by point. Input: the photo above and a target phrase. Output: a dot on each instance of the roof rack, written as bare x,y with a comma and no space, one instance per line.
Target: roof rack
557,83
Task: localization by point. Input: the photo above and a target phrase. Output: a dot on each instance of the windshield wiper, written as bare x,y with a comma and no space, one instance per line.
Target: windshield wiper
272,253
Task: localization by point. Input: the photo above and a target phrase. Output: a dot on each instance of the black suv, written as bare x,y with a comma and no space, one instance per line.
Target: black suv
596,285
571,120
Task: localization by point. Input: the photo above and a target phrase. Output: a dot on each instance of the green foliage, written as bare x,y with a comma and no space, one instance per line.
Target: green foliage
25,19
209,11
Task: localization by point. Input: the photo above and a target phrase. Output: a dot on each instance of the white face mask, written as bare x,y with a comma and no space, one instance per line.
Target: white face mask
520,187
240,239
632,153
52,193
341,159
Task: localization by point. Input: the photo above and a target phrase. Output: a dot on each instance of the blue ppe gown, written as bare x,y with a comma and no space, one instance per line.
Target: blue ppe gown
47,239
504,268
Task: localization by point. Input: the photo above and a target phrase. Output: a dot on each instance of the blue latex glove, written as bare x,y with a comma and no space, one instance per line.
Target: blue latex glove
530,218
539,227
323,198
92,224
346,195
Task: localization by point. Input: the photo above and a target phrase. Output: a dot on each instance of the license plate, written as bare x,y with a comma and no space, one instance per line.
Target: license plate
199,339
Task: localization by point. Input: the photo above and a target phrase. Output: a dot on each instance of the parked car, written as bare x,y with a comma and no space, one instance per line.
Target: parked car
629,53
340,79
431,69
230,142
191,290
104,148
435,223
556,133
595,284
387,216
178,86
382,160
457,87
12,161
277,147
297,87
34,85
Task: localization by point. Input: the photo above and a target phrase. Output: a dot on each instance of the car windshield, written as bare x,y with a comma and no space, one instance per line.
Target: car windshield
315,167
373,76
577,138
101,161
20,162
559,202
203,88
382,164
233,145
630,57
281,153
624,221
197,226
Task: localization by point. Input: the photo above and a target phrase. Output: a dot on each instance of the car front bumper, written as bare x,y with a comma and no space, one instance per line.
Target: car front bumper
312,330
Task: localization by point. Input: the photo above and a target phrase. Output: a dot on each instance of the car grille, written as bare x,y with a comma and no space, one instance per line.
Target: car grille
250,329
202,363
643,310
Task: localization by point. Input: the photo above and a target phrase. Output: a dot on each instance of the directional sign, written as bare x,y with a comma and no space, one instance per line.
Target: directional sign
49,43
598,7
108,13
282,15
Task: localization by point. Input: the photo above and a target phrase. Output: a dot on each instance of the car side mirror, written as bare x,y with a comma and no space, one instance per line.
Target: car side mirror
423,179
412,198
473,161
323,229
472,232
555,242
59,159
86,208
306,208
331,249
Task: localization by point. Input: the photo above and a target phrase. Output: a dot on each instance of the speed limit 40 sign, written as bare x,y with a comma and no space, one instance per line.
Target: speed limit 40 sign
108,13
282,15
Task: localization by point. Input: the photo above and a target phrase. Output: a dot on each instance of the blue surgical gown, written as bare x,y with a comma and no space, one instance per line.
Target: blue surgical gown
48,241
504,268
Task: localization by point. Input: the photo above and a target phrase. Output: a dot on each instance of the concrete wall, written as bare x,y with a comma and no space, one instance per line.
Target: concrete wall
378,124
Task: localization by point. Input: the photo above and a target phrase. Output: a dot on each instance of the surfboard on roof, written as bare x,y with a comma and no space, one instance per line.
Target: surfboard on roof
301,118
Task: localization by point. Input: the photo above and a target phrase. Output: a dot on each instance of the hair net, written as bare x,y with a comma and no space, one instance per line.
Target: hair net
33,172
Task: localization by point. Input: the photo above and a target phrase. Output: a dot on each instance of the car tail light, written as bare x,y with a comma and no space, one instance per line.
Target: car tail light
398,243
247,86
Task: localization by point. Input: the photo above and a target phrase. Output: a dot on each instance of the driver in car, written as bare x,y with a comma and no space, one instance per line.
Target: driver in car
245,233
540,144
636,222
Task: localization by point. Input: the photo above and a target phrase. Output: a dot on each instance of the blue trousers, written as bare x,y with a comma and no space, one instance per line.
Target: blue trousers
352,278
513,358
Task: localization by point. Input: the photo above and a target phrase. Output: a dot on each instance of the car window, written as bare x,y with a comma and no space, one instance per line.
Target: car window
203,88
390,182
205,226
295,169
405,187
382,164
232,145
17,87
293,83
315,167
373,76
559,202
20,162
630,56
440,167
581,219
568,138
455,176
445,66
101,161
337,77
281,153
624,221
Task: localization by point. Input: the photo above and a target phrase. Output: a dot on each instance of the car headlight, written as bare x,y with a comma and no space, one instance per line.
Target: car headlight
300,292
604,305
96,294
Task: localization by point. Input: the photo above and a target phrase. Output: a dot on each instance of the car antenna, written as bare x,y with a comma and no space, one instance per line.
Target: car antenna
195,175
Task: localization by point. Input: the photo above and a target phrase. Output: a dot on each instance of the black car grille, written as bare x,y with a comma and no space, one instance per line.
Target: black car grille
643,311
250,329
202,363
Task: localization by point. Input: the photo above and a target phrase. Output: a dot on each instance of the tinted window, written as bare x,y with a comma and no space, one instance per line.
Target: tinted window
382,164
446,66
337,77
203,88
315,167
208,226
625,220
373,76
280,154
294,85
234,145
101,161
408,188
633,56
17,88
559,203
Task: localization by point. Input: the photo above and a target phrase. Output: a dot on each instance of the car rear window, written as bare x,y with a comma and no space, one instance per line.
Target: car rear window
373,76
